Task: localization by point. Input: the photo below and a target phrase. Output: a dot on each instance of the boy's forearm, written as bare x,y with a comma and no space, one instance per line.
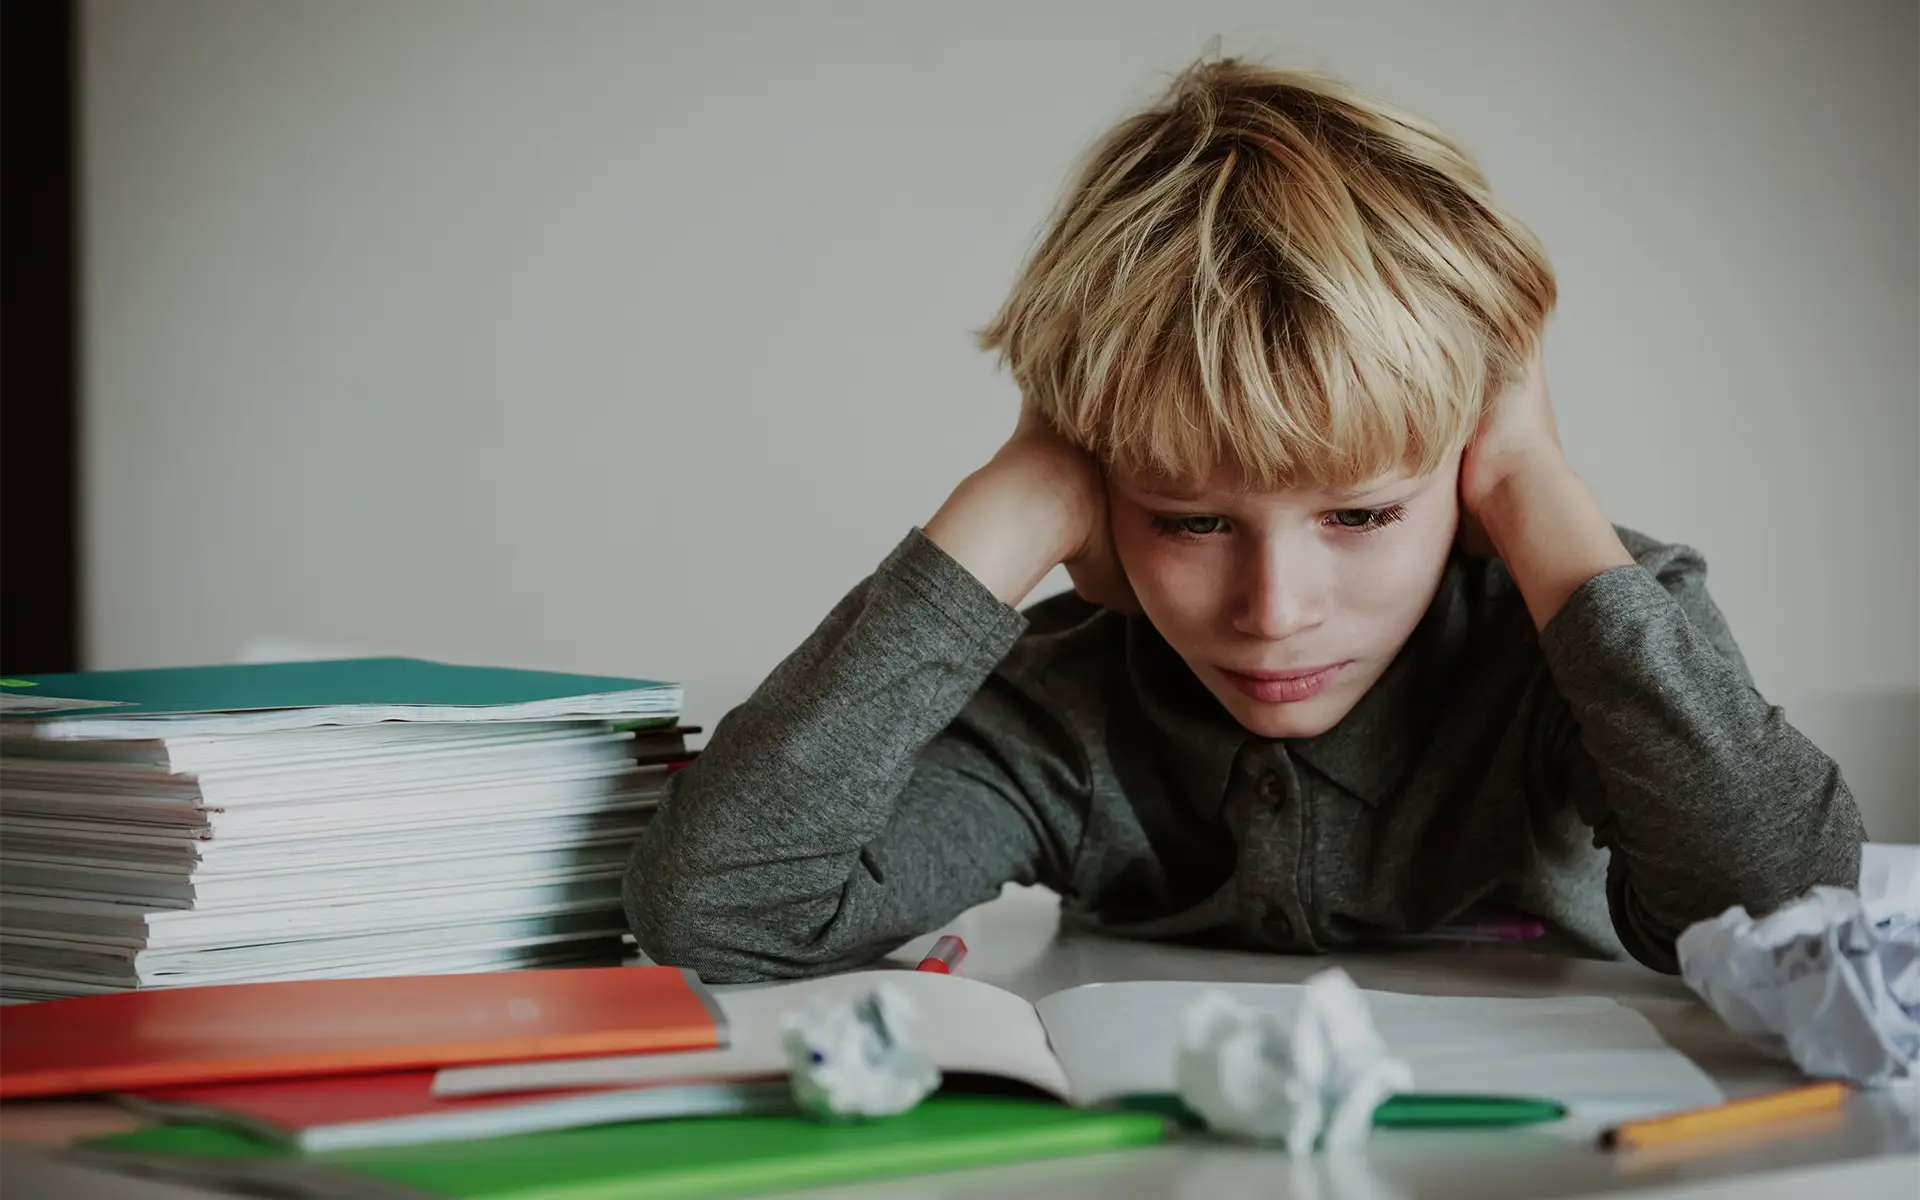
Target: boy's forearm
1703,793
761,862
1006,530
1549,530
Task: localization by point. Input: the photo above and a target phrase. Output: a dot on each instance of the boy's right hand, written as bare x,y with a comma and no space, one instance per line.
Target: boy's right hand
1040,501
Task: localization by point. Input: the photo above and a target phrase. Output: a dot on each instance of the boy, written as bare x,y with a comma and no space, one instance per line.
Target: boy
1353,649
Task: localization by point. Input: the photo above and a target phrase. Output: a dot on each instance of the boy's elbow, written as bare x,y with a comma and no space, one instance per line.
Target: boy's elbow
1818,847
1804,831
740,925
685,919
675,925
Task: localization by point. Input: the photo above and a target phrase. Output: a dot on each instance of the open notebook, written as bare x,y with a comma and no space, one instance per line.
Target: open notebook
1090,1045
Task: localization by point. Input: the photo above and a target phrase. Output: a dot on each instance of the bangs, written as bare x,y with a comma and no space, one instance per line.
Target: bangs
1278,390
1271,275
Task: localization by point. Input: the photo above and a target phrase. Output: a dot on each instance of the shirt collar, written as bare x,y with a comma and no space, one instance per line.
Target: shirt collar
1369,753
1198,739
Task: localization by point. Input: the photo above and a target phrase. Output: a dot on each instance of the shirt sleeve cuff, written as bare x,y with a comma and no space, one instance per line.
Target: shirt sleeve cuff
1604,614
951,590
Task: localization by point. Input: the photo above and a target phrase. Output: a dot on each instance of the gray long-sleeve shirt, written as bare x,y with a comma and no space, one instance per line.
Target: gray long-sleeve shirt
1615,775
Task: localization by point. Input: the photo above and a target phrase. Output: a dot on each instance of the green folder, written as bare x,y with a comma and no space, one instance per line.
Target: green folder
695,1157
299,694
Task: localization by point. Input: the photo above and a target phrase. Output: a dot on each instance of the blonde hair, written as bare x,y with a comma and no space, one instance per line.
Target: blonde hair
1271,272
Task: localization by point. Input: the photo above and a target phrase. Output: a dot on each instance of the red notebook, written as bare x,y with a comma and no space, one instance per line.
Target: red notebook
398,1108
129,1041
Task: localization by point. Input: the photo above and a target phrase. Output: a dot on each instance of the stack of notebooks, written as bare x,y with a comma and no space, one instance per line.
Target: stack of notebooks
326,819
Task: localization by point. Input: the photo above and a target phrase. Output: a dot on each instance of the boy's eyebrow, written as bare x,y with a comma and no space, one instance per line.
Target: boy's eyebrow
1186,493
1373,487
1171,491
1166,487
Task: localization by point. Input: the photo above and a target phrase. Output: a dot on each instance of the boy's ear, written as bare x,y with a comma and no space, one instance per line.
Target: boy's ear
1100,579
1105,583
1098,574
1470,537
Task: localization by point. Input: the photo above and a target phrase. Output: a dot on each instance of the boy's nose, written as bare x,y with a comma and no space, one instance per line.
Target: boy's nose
1280,600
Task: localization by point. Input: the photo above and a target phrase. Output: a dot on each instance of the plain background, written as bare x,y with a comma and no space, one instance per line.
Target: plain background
626,337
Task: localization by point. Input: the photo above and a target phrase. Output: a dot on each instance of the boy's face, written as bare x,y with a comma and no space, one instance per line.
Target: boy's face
1288,605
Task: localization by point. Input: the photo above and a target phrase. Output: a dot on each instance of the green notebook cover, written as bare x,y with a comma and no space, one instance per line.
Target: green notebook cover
720,1156
337,683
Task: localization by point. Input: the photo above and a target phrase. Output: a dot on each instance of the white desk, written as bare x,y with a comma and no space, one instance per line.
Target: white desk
1870,1149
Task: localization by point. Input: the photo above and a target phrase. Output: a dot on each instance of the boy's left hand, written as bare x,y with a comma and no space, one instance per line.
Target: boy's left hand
1521,502
1517,434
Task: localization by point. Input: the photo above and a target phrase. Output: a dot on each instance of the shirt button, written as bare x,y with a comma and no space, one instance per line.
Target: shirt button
1272,786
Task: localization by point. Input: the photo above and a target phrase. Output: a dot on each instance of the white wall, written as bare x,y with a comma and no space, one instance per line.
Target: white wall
625,337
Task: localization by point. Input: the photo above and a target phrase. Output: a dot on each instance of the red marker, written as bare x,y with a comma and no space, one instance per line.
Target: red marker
945,957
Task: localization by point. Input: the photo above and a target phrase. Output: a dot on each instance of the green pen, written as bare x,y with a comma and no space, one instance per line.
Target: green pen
1409,1110
1440,1110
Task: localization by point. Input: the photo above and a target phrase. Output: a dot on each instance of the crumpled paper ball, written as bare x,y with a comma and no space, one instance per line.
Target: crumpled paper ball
1830,982
1309,1082
857,1058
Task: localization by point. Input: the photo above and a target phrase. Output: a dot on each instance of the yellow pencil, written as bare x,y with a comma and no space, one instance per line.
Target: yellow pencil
1735,1114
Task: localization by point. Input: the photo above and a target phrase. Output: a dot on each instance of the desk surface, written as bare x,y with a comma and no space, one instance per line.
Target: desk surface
1870,1149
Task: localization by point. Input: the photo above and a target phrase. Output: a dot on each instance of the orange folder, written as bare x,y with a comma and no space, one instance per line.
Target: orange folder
127,1041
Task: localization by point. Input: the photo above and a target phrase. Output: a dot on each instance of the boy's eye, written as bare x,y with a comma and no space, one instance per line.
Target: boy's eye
1365,519
1189,526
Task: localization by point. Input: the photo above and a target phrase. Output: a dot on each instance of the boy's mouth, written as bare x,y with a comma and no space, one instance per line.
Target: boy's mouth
1283,687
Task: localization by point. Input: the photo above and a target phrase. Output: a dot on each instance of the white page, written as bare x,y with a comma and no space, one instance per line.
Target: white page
402,777
605,941
211,833
1603,1061
122,924
323,876
454,753
449,841
964,1026
191,827
577,790
398,963
662,701
418,813
175,893
29,948
284,751
300,750
395,953
318,786
600,794
27,985
485,766
336,805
